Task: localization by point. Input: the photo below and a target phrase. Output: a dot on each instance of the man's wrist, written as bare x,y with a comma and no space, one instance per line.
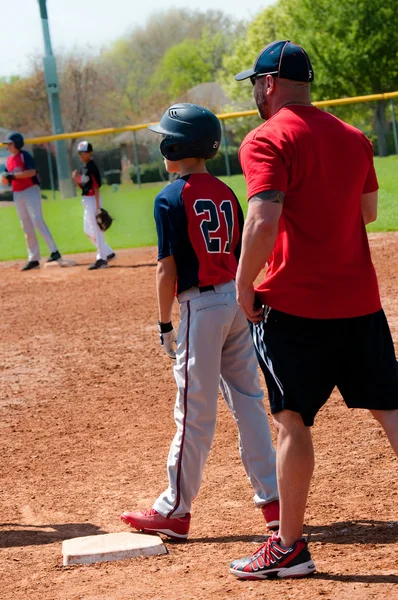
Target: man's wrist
244,285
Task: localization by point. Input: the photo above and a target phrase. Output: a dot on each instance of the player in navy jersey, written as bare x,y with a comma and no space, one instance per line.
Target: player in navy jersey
88,179
199,224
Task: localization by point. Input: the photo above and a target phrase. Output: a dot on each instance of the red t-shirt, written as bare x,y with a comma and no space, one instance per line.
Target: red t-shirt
16,163
321,265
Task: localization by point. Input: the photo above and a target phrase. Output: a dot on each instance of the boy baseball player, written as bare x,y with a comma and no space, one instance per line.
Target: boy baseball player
199,224
88,179
22,175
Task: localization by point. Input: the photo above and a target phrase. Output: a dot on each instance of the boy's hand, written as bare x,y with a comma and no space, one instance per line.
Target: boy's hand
168,338
8,176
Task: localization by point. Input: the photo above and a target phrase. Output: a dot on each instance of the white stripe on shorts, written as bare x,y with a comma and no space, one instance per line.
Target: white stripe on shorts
258,338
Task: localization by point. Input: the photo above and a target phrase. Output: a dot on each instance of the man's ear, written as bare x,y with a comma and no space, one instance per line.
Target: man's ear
269,84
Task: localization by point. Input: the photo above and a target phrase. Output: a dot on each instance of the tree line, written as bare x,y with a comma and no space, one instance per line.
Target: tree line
352,45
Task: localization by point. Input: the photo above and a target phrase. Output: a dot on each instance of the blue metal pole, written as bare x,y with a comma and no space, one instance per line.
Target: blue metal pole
225,144
66,187
136,161
394,125
50,170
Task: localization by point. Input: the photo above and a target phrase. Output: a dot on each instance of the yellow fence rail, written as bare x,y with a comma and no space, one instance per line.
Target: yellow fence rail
222,117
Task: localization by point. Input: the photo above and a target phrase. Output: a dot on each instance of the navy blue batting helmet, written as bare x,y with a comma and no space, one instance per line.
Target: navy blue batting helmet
190,131
16,138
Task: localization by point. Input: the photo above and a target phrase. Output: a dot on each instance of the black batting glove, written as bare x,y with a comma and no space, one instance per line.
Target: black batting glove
8,176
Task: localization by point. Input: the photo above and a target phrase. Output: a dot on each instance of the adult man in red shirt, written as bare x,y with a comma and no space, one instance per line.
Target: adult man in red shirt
317,318
21,173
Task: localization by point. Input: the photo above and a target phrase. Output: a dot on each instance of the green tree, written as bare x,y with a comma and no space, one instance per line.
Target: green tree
353,50
190,63
351,45
135,58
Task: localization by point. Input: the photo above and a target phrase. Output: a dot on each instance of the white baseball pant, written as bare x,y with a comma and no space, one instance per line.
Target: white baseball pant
215,349
29,209
92,230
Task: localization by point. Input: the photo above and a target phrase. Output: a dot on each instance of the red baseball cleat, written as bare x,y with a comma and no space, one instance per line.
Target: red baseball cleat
150,521
271,514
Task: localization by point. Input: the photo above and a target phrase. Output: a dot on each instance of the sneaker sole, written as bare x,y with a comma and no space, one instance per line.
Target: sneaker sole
171,534
273,525
302,570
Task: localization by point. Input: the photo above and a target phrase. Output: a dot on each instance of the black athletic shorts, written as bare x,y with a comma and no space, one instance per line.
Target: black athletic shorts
304,359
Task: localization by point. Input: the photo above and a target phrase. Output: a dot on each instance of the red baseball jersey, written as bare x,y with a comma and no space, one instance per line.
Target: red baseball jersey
199,221
321,265
16,163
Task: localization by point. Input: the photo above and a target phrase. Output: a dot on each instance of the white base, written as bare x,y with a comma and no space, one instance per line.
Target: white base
110,546
63,262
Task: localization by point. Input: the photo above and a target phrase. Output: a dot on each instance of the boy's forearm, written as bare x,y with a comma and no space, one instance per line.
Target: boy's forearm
165,287
24,174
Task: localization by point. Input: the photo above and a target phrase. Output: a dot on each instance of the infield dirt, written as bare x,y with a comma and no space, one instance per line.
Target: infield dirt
86,407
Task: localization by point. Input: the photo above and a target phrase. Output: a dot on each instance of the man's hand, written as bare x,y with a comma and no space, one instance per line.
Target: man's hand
247,301
168,338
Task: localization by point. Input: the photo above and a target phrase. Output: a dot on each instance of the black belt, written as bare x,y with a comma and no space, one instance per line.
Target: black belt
206,288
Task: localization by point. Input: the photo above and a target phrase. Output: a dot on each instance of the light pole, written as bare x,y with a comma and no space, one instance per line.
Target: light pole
66,187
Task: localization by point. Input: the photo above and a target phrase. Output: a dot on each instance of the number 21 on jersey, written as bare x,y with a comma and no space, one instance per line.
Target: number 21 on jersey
213,216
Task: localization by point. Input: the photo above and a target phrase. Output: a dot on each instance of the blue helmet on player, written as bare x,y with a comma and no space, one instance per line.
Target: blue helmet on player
16,138
190,131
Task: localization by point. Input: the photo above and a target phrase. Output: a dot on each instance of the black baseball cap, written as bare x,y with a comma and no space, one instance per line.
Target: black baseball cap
282,59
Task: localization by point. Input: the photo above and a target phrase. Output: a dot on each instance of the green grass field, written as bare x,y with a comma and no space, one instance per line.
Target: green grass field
132,209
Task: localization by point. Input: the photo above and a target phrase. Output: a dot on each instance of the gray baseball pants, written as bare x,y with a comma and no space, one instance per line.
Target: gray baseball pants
29,209
215,350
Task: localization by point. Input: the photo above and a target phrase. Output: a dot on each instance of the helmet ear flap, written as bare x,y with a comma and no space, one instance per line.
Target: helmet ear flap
172,150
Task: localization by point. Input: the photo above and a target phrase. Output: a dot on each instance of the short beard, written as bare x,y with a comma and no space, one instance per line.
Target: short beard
261,103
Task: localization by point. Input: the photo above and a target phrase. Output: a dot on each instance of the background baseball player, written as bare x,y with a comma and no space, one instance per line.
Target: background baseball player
22,175
88,179
199,224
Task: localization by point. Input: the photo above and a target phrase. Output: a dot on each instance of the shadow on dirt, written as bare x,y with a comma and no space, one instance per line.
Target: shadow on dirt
14,534
119,266
363,531
374,578
344,532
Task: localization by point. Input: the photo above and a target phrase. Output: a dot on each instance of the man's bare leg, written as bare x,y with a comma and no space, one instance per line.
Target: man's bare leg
295,465
388,419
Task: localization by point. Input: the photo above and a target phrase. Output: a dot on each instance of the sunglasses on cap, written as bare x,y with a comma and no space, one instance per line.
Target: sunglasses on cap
258,75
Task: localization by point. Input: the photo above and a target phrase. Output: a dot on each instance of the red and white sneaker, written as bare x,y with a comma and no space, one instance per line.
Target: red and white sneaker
271,514
150,521
273,561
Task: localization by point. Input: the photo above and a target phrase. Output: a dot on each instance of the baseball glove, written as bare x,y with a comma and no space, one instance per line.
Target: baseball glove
104,219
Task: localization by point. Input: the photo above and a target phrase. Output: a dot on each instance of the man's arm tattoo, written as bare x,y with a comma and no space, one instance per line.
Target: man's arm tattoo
275,196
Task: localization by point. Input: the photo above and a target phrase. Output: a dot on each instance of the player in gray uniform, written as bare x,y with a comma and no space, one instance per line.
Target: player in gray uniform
199,224
22,175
